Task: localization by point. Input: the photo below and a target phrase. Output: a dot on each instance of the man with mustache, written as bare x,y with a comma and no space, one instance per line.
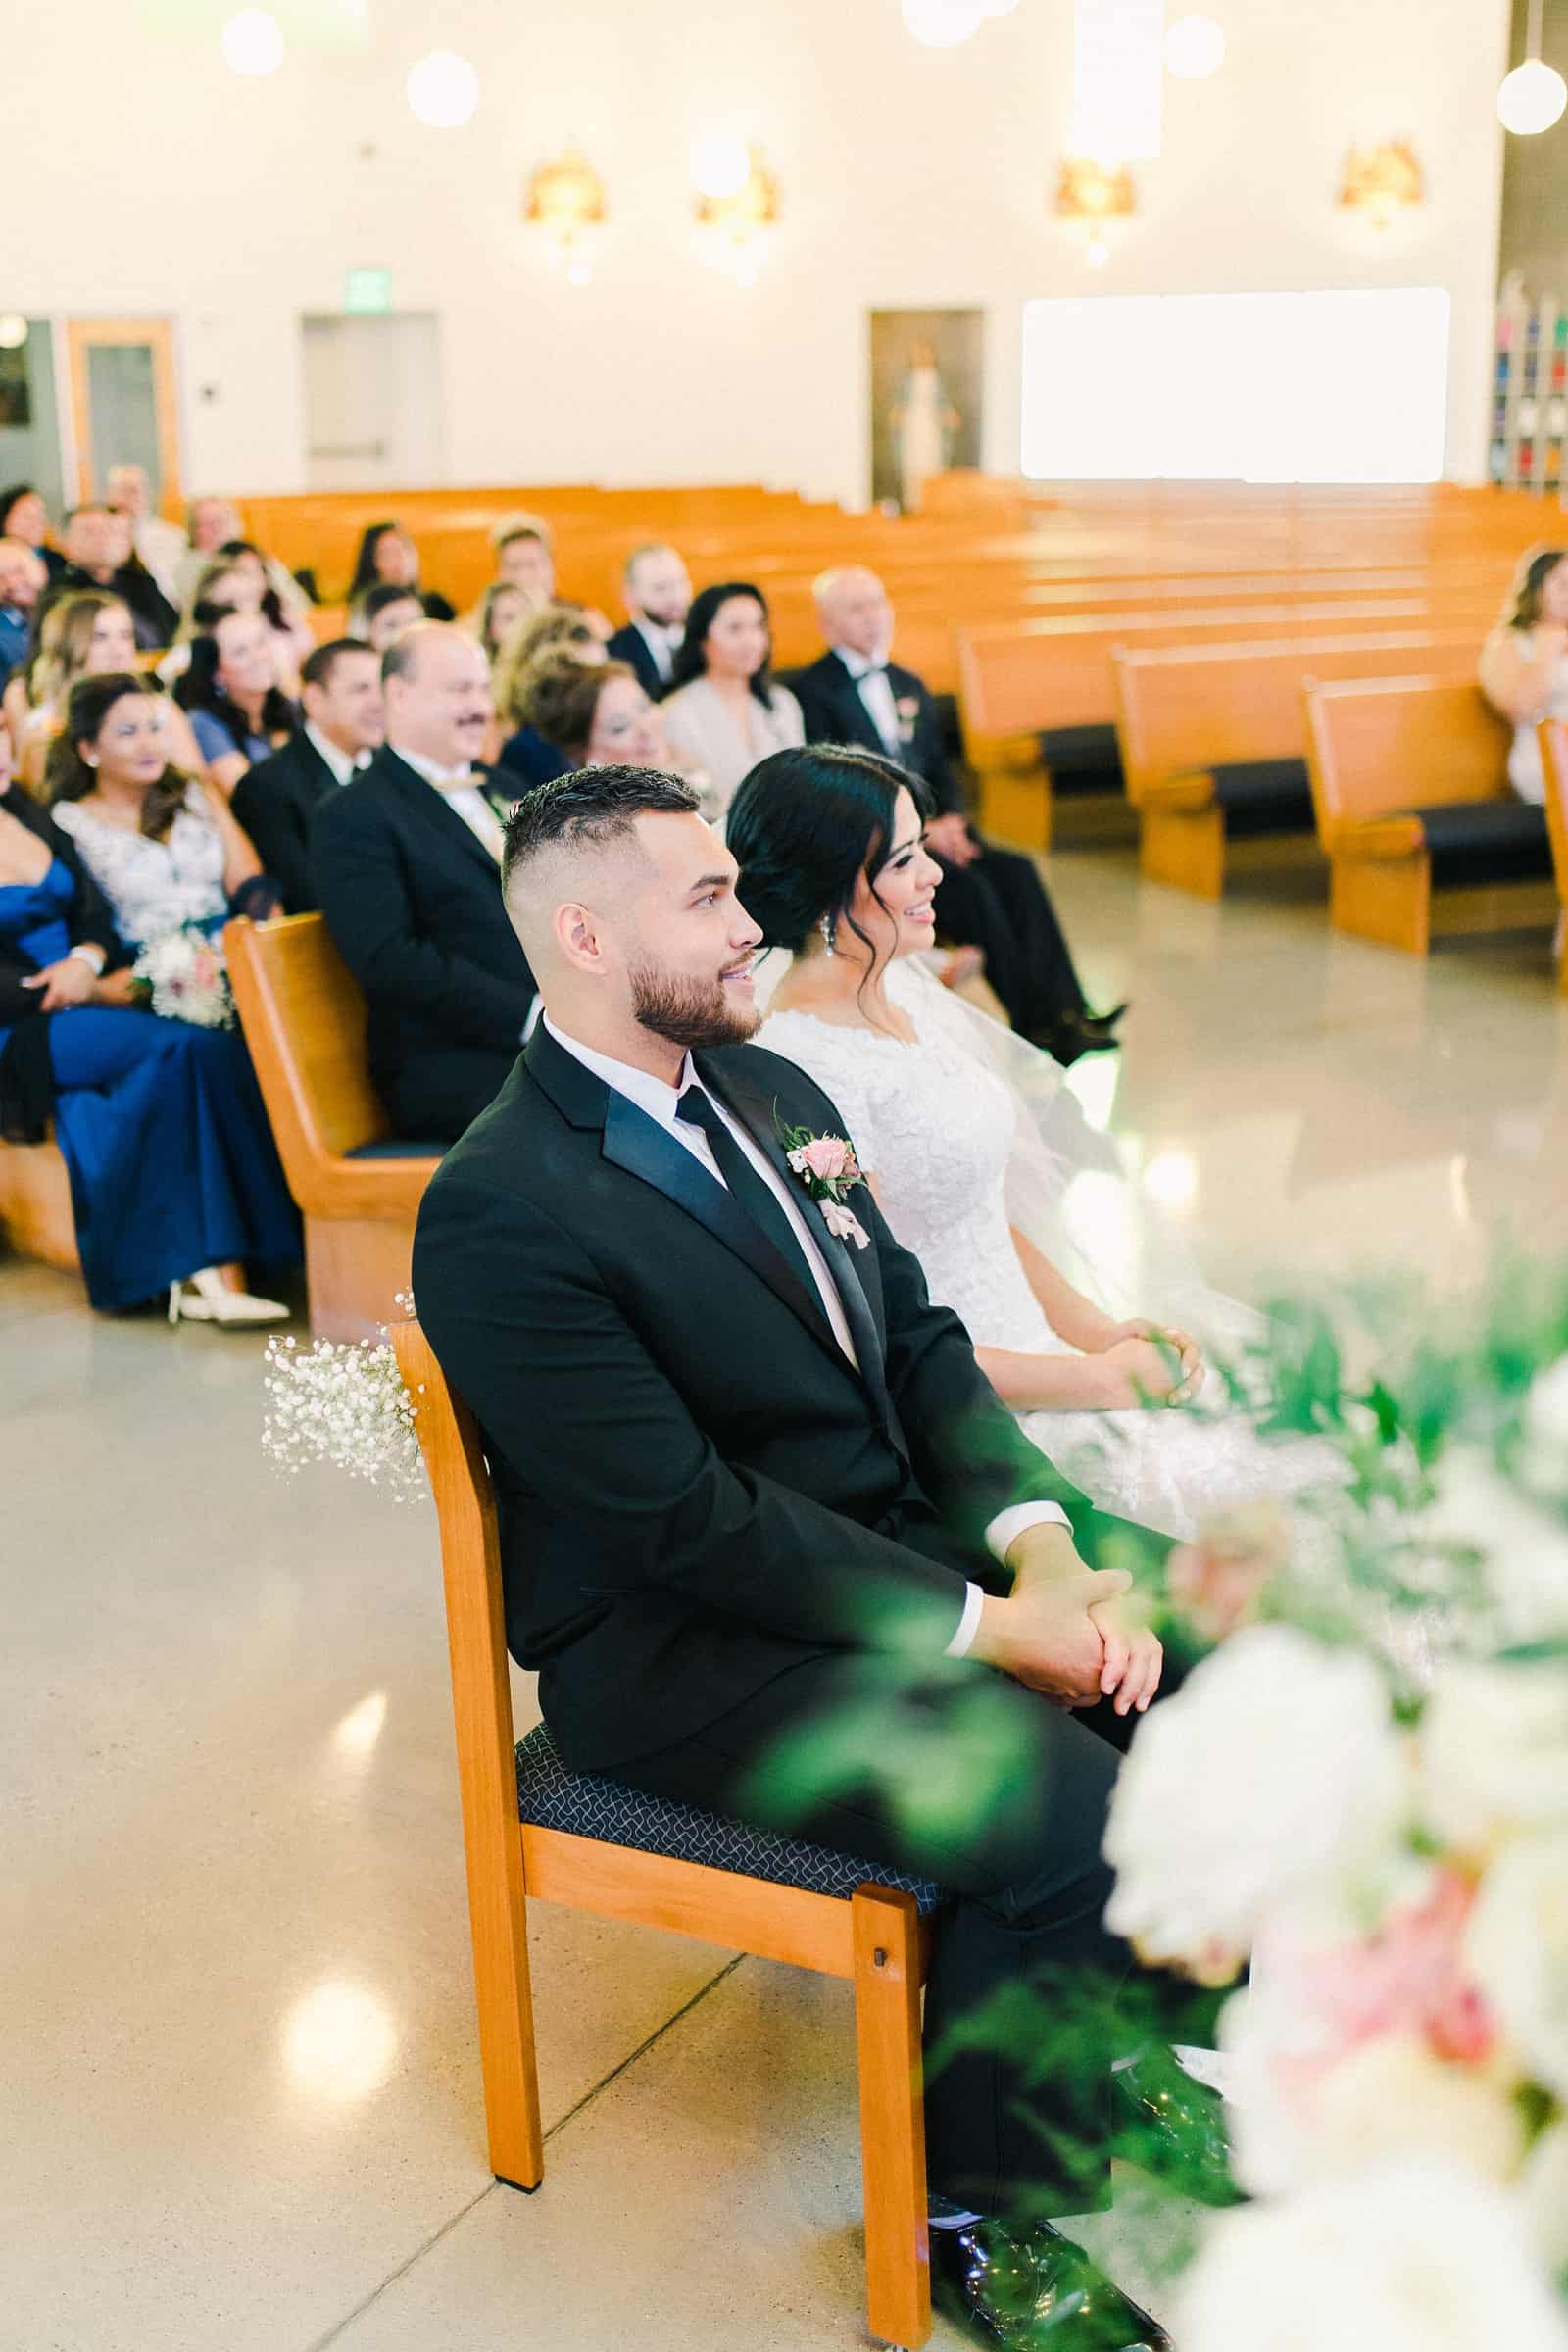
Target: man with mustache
407,860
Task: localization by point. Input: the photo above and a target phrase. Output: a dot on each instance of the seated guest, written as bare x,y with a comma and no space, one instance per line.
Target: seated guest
381,612
84,636
23,516
491,622
341,725
1524,662
237,581
658,592
238,712
546,630
990,898
214,528
388,555
724,711
99,554
593,715
525,546
160,546
22,580
406,864
174,1176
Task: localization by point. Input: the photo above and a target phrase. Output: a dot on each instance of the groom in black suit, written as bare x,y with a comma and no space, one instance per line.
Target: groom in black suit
750,1479
990,899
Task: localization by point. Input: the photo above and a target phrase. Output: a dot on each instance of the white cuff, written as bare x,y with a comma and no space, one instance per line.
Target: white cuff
90,954
968,1623
1007,1526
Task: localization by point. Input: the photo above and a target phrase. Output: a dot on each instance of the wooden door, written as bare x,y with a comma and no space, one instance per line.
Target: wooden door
123,404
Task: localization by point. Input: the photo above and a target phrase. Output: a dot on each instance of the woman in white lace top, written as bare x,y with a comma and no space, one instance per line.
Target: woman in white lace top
832,868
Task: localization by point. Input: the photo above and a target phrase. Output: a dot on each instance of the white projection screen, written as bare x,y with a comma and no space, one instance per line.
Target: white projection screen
1342,387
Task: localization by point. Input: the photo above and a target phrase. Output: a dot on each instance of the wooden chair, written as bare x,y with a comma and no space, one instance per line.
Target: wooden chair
598,1847
1553,735
1415,815
358,1191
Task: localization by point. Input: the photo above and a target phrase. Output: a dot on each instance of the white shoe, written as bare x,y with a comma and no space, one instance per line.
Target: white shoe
206,1298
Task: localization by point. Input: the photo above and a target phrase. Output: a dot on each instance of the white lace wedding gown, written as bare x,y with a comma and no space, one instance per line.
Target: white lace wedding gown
935,1125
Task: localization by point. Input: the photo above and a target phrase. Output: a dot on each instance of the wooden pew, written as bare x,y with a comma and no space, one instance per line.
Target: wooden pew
1415,814
1553,735
37,1219
1041,688
304,1021
1213,738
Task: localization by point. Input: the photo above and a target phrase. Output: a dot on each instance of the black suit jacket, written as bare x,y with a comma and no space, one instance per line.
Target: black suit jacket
414,902
630,645
274,801
154,618
697,1489
833,711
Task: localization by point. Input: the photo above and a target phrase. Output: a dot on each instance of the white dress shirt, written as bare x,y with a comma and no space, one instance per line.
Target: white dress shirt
870,674
659,1100
342,764
456,786
662,643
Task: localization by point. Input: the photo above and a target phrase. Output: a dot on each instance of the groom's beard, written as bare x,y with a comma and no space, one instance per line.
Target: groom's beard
690,1012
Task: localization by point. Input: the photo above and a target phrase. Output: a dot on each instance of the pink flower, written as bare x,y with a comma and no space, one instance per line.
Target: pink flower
844,1225
827,1158
1216,1581
1408,1979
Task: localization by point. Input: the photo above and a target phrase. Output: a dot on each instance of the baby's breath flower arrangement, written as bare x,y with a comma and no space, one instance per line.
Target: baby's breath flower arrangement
345,1405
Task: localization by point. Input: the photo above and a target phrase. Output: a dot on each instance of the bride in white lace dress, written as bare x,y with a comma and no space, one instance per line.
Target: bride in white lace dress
832,870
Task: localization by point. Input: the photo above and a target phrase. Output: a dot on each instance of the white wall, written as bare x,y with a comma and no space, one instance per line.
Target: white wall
909,177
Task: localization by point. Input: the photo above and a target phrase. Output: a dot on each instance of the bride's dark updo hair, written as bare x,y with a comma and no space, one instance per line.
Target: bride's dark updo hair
803,827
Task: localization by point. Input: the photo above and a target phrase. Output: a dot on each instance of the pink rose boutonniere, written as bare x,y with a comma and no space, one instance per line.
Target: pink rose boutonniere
827,1167
908,710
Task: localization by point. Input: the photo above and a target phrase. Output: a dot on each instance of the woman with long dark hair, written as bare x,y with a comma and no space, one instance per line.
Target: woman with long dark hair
229,691
967,1139
1524,662
174,1180
724,711
388,556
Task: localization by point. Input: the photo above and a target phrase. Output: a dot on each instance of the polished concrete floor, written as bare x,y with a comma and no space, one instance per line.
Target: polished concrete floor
238,2075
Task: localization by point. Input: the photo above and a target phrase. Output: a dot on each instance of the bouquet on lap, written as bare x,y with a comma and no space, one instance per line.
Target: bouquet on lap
183,976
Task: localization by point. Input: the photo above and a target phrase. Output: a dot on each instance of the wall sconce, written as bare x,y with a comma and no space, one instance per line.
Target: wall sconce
735,227
1381,183
1090,199
566,203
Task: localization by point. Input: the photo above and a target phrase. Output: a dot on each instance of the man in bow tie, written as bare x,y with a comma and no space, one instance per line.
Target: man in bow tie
990,898
341,725
751,1485
407,860
657,591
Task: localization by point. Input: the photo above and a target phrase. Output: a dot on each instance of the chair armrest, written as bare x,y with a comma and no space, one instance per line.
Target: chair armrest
386,1189
1180,795
1378,837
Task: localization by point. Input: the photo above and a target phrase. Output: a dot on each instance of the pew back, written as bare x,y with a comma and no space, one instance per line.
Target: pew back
304,1021
1377,748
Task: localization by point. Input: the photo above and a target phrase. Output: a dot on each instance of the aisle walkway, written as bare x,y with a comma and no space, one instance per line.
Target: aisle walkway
238,2033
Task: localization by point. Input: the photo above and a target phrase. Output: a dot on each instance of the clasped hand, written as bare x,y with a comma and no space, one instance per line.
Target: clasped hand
71,981
1136,1358
1070,1632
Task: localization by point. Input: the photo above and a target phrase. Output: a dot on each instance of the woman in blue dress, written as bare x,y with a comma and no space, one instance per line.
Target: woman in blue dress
175,1179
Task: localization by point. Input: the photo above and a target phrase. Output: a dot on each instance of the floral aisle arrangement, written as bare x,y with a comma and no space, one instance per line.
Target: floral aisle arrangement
183,977
345,1405
1363,1791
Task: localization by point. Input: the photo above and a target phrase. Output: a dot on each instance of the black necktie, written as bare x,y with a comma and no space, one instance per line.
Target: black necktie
749,1191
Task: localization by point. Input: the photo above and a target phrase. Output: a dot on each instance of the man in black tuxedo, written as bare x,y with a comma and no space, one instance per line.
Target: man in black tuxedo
407,858
99,554
749,1477
990,898
658,592
342,724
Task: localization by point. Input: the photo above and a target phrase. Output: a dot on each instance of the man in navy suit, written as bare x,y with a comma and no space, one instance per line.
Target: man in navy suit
658,592
990,898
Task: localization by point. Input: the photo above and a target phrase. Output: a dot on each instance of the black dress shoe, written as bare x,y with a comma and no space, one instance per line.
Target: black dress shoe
1079,1033
1174,2128
1033,2290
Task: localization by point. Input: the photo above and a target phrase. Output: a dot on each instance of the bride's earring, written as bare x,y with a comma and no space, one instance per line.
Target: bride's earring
827,928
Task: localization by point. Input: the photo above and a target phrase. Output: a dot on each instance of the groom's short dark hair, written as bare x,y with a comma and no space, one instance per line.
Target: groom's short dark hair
591,808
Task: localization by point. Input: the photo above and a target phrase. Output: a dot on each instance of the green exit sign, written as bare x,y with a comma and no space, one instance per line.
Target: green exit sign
368,290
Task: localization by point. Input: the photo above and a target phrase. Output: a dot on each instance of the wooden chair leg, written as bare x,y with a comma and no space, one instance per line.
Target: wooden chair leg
887,2022
1387,899
503,1994
1183,848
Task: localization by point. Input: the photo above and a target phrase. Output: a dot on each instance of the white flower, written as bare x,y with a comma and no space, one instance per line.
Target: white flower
1517,1946
1545,1459
1406,2257
1522,1549
1493,1752
1542,2197
1276,1765
844,1224
346,1406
